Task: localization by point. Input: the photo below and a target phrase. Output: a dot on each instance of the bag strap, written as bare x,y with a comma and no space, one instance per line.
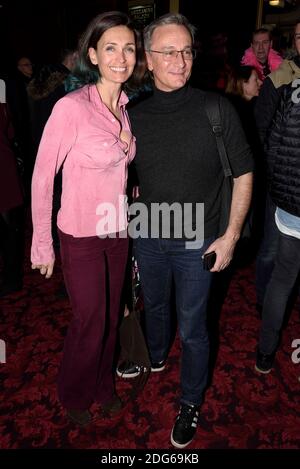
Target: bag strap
212,109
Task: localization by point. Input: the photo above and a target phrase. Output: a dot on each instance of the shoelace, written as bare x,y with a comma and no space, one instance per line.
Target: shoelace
188,416
265,358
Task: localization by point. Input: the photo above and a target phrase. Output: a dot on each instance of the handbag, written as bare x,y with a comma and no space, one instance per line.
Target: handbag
212,109
132,340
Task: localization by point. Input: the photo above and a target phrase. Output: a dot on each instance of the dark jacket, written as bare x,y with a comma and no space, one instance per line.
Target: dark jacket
10,188
283,152
17,100
245,111
44,91
270,94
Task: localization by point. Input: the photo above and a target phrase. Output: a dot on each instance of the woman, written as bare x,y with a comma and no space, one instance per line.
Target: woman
89,134
242,89
244,82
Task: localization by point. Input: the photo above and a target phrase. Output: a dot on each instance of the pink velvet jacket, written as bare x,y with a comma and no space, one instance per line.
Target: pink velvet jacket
84,136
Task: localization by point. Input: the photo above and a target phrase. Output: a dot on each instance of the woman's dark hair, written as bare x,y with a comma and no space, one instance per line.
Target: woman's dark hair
85,72
237,77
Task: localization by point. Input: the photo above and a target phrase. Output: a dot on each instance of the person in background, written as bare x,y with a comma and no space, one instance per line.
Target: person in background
11,202
261,55
283,156
178,162
242,89
17,100
244,82
44,90
25,67
89,134
264,111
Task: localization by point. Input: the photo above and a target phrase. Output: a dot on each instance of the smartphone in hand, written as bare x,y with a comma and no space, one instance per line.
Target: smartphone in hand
209,260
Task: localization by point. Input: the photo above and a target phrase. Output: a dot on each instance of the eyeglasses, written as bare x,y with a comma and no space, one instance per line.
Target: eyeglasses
171,55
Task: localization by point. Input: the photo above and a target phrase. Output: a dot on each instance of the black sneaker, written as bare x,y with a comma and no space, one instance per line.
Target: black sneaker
128,370
264,362
159,366
185,426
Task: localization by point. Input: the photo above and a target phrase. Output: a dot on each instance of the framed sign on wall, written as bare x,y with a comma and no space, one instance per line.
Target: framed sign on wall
142,14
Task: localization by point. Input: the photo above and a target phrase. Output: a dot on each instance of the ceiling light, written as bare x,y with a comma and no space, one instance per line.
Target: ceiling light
276,3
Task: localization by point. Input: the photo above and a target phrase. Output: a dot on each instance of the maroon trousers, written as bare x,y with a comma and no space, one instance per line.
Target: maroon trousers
94,271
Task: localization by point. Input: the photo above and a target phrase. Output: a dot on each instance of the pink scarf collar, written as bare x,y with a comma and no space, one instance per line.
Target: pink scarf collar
249,58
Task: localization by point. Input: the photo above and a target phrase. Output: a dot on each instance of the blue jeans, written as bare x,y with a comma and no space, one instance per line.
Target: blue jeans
267,251
161,261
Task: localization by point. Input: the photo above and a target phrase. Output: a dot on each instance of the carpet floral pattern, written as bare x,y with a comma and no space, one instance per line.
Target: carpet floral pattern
242,409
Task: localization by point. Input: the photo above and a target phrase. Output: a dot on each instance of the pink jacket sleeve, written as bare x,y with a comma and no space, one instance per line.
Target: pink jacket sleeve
58,137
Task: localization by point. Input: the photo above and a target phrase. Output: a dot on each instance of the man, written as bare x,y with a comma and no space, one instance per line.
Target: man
261,55
178,163
265,109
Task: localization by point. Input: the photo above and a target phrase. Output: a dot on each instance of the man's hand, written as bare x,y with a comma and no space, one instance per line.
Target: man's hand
241,198
224,248
45,269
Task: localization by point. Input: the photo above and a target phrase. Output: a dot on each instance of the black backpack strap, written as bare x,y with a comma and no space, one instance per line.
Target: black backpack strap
212,109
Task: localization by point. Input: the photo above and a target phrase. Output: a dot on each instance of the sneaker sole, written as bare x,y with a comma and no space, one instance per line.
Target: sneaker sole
179,445
134,375
264,372
155,370
128,376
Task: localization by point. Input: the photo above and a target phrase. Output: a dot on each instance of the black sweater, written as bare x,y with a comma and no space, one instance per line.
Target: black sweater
177,158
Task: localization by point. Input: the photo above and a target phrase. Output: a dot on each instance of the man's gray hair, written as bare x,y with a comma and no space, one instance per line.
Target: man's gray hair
169,18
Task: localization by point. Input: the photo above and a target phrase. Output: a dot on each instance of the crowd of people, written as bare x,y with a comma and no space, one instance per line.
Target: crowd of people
86,142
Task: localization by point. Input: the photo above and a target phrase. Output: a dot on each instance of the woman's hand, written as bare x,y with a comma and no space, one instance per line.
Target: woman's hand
45,269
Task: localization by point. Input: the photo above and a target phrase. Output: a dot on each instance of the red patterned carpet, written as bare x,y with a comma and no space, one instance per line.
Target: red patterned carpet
242,409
